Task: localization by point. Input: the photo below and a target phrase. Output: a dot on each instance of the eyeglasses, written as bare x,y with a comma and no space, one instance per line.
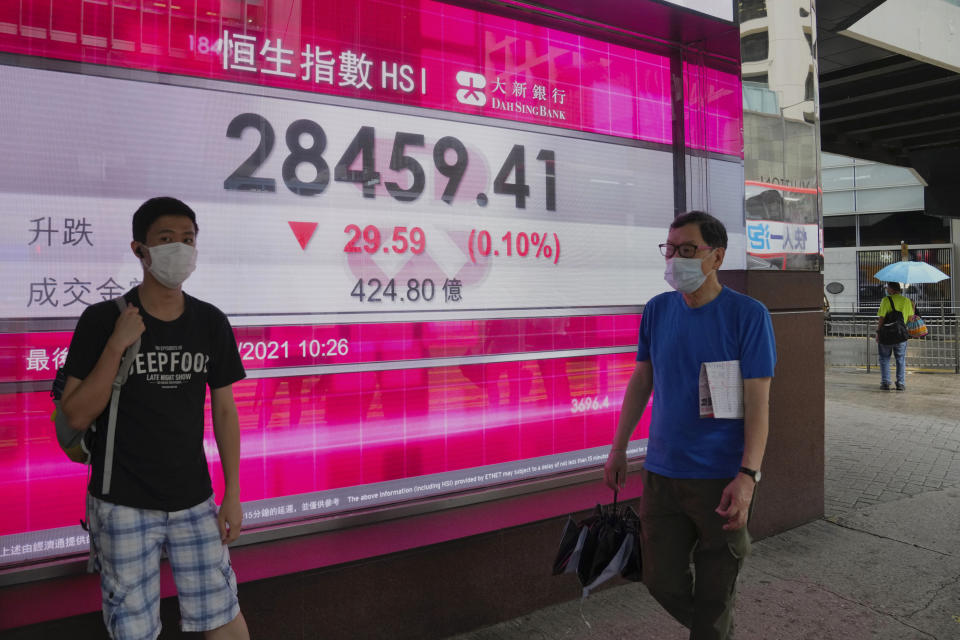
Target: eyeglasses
685,250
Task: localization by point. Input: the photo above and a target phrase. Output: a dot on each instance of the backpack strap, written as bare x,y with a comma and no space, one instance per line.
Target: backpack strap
125,365
892,306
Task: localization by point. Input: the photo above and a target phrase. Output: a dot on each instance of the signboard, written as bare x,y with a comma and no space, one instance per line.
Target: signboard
333,197
779,232
433,282
418,53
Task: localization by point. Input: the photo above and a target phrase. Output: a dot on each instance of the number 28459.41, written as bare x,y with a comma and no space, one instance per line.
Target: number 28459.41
363,146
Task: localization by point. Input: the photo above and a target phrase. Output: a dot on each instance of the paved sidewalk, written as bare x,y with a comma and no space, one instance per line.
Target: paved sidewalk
883,446
884,562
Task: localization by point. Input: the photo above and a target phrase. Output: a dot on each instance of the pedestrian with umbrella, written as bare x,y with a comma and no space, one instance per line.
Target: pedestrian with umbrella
894,313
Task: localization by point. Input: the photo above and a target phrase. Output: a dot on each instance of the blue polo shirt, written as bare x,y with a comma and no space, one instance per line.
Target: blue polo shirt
677,340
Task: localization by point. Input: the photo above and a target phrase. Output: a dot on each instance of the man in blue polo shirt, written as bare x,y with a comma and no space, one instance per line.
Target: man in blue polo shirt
700,473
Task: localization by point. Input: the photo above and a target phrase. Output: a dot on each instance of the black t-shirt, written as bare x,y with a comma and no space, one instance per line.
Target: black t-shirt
159,461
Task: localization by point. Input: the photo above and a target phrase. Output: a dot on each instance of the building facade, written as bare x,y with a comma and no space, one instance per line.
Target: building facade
870,211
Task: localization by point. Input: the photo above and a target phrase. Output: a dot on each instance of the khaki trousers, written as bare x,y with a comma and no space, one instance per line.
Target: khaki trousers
681,528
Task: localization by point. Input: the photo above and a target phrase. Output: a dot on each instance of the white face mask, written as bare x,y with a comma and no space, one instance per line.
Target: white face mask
172,263
685,274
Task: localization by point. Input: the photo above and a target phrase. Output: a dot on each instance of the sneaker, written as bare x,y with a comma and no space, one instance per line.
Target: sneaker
900,387
885,386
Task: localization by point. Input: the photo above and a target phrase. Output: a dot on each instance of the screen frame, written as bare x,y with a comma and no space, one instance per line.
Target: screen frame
68,565
591,479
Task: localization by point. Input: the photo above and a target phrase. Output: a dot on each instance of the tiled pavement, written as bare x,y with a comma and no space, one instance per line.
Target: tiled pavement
888,445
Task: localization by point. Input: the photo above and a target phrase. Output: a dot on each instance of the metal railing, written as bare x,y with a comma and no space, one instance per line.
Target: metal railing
848,340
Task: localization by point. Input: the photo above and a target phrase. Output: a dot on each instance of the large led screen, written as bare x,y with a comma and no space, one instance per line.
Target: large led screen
431,230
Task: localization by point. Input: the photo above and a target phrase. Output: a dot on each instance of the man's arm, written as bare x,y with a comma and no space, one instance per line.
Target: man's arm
84,400
226,428
737,496
634,402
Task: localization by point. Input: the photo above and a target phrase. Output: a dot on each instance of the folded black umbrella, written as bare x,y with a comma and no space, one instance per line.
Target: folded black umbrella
568,544
600,547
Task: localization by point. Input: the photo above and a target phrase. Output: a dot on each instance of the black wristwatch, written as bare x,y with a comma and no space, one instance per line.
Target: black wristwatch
753,473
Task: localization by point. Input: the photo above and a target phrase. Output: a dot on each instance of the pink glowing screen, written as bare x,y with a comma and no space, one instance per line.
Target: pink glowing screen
490,355
409,52
713,109
325,443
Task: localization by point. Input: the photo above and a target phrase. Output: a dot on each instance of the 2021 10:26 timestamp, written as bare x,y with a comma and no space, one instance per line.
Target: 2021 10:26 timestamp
263,350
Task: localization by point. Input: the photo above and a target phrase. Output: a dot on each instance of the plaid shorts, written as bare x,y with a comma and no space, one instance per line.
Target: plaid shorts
126,545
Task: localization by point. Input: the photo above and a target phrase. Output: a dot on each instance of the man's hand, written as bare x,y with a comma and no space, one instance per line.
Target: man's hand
615,470
735,502
229,518
128,328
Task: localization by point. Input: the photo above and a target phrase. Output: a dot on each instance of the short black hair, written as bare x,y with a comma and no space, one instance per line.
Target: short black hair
712,230
895,286
154,208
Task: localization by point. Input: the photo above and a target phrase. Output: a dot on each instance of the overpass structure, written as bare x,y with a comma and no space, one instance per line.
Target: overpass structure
889,87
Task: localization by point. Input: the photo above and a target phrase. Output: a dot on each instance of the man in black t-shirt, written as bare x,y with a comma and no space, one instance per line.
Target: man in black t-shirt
156,493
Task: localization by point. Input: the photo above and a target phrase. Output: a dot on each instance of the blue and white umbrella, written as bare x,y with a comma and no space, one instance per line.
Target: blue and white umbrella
910,272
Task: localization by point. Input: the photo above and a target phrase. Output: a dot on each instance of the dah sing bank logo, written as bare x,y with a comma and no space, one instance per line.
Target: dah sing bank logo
471,91
517,96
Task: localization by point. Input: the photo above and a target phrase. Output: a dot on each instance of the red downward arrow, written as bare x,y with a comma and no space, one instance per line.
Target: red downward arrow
303,231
